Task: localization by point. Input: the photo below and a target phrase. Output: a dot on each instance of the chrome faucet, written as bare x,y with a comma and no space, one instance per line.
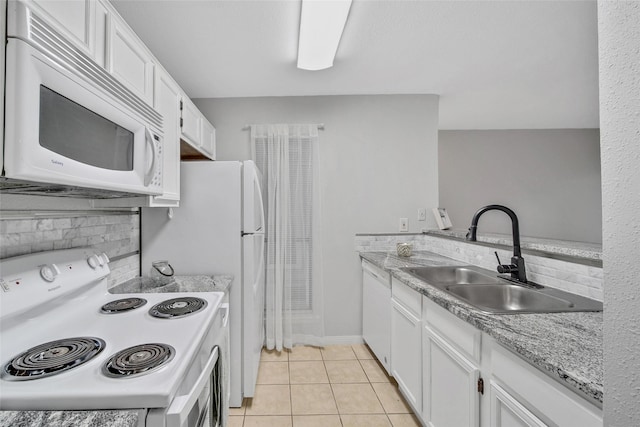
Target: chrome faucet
516,268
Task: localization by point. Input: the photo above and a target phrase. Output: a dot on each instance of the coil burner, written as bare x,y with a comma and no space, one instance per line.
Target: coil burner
138,360
52,358
177,307
121,305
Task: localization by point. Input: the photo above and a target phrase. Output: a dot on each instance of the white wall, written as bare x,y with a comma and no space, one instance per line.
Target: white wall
550,178
619,61
378,162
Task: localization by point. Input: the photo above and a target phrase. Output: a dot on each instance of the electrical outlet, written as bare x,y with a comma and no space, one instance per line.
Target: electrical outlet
422,214
404,224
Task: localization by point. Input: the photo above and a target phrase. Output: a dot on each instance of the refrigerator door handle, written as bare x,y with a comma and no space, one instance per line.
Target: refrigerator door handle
253,204
258,189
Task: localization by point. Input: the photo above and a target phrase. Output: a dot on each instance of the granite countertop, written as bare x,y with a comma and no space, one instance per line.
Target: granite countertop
565,346
124,417
116,418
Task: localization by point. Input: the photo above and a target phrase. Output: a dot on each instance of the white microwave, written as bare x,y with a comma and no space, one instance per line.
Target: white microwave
68,122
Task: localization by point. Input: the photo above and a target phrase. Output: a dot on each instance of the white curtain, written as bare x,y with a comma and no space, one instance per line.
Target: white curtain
287,155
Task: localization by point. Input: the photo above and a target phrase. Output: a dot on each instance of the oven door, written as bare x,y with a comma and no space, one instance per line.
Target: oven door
192,409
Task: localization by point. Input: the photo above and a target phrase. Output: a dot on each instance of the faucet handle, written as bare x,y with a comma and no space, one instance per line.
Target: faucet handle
505,268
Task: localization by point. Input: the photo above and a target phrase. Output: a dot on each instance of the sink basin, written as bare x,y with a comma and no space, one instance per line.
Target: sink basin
491,293
506,298
442,276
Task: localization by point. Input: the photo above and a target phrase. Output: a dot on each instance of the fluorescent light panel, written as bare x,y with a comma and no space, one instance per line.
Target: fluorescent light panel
321,25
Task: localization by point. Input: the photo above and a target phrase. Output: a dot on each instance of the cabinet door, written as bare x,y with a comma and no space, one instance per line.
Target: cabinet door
506,411
129,61
102,17
406,347
191,128
167,103
376,315
208,138
71,18
450,396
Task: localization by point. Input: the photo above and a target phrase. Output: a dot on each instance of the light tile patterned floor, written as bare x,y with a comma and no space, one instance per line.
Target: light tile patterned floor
335,386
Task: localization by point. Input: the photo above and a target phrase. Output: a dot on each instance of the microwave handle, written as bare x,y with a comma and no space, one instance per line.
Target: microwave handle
152,169
181,405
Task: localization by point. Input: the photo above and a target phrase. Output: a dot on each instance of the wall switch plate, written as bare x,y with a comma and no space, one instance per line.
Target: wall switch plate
422,214
404,224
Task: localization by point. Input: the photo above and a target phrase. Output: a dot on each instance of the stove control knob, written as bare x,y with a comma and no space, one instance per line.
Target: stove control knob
49,272
103,259
93,261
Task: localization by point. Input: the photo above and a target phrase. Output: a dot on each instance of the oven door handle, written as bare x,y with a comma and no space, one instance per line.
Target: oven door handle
181,406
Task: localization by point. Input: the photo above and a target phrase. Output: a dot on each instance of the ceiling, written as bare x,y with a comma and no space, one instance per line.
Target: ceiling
495,64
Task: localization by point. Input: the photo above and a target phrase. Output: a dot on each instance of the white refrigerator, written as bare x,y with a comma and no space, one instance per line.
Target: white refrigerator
218,229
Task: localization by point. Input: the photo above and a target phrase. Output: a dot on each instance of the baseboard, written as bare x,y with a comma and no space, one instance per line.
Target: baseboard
323,341
343,340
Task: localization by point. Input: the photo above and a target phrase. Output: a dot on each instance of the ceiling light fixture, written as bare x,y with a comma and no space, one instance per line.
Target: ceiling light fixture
321,25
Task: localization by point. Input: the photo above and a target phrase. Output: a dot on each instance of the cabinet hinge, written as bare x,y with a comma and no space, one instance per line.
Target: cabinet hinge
480,386
180,121
180,105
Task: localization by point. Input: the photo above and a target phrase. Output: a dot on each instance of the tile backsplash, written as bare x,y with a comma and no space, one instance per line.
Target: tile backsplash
117,233
577,278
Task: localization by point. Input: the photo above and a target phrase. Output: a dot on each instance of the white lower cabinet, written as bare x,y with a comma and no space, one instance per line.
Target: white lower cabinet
470,380
454,375
523,396
506,411
406,342
450,393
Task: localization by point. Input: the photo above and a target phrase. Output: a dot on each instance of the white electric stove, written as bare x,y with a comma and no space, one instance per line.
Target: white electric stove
67,344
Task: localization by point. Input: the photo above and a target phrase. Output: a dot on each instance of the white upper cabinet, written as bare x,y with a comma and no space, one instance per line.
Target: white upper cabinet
128,59
81,22
191,123
208,139
197,134
73,19
100,28
167,102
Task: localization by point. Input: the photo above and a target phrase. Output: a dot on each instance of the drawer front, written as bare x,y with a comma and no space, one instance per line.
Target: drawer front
464,336
540,394
409,298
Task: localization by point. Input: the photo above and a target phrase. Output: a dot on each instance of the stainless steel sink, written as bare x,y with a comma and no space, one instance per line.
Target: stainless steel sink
494,294
507,298
443,276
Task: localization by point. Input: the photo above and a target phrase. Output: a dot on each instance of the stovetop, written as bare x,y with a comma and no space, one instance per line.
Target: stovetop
30,319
